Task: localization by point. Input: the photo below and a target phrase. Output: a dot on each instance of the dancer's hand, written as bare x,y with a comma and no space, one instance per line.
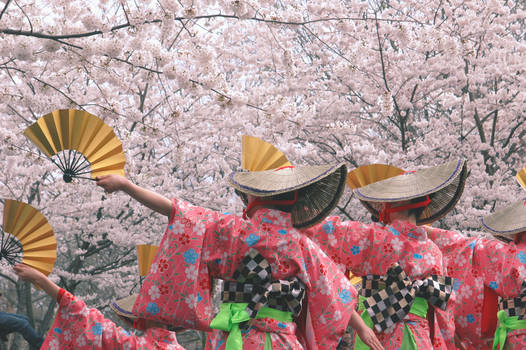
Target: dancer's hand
27,273
159,203
112,182
367,335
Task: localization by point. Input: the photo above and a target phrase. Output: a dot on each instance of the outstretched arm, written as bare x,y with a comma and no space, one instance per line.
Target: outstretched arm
27,273
152,200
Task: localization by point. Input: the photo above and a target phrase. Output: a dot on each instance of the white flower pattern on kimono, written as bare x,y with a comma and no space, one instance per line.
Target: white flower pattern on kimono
54,345
154,292
322,285
178,228
397,244
191,272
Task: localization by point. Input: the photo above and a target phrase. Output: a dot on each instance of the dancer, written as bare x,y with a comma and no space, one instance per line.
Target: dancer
11,323
401,268
490,280
280,291
78,327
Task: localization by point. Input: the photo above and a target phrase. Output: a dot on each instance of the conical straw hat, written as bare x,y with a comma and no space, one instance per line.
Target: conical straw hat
445,182
511,220
123,307
319,187
507,222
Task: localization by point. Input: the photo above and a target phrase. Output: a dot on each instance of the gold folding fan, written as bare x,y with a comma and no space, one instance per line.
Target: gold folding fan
27,237
521,177
80,142
368,174
259,155
145,255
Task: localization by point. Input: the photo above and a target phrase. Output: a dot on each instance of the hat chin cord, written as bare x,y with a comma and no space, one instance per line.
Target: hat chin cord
263,203
385,213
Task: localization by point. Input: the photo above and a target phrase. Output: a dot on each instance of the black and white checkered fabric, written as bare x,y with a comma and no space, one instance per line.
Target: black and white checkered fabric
392,304
254,286
515,306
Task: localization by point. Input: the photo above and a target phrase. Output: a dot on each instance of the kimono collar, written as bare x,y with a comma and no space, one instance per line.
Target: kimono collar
271,216
408,229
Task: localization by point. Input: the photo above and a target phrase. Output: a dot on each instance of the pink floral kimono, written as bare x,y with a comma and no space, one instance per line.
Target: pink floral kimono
373,249
483,269
78,327
200,245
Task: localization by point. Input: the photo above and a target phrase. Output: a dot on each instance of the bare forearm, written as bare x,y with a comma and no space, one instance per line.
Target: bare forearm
48,286
148,198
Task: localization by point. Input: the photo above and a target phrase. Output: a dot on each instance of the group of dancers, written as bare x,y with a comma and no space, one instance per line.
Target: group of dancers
284,265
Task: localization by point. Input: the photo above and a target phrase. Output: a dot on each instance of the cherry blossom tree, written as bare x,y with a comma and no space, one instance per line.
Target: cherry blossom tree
409,83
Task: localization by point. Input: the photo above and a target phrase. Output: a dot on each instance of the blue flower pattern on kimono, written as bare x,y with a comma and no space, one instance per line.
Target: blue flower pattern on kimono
190,256
345,296
96,329
328,227
252,239
152,308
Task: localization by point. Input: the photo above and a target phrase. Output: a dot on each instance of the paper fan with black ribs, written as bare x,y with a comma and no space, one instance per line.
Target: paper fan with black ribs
258,155
79,143
368,174
27,237
521,177
145,255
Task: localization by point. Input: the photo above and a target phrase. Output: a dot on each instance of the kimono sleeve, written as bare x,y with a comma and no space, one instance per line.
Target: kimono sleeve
503,266
347,243
78,327
177,290
457,249
330,298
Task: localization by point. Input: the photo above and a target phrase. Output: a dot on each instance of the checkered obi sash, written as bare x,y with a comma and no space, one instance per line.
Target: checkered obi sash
254,285
511,315
515,306
389,298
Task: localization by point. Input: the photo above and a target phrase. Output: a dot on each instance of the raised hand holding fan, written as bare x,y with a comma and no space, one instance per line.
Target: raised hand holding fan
78,143
27,237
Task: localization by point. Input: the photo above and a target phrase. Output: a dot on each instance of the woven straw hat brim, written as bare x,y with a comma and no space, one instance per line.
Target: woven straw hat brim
123,307
444,182
272,182
506,222
319,189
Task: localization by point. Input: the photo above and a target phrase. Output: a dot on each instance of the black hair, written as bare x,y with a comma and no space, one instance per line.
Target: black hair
418,211
413,211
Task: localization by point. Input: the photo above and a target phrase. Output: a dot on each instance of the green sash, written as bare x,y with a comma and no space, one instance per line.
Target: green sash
419,308
506,324
232,314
